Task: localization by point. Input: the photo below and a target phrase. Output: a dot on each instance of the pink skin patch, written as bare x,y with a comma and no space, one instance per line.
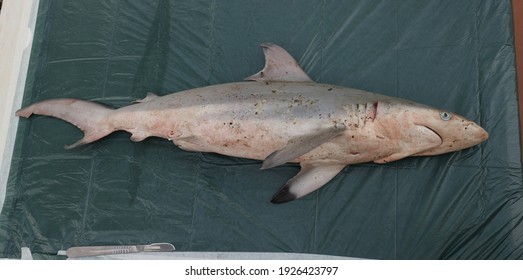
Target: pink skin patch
374,111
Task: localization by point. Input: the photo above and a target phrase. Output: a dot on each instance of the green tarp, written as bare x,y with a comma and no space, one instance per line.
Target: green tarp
457,55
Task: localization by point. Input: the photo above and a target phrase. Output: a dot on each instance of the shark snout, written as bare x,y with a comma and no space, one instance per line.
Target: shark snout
479,133
456,134
464,134
472,134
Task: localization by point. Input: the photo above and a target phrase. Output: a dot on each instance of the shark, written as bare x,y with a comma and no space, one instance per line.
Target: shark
278,115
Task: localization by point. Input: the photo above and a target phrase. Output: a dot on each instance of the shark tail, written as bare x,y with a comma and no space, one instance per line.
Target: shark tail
90,117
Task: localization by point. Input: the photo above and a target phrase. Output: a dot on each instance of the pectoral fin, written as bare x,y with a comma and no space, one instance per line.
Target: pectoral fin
312,176
300,146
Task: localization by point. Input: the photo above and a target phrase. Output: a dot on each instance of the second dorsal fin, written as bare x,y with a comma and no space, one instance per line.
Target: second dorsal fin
279,66
150,96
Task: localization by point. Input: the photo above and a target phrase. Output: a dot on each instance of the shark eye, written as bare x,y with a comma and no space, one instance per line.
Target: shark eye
445,116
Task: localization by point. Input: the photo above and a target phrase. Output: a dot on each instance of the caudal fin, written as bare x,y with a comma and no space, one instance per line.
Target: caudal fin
90,117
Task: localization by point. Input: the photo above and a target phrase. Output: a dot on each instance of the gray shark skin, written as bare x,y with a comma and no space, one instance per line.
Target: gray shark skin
280,116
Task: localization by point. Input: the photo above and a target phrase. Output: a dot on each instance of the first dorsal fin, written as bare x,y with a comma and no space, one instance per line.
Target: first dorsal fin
279,66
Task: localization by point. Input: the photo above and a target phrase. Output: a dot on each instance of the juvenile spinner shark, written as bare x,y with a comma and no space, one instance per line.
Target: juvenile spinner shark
279,116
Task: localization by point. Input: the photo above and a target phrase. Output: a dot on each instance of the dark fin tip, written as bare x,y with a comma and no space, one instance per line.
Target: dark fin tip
283,195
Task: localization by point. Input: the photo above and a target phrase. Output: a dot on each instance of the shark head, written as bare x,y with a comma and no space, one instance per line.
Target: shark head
420,130
456,132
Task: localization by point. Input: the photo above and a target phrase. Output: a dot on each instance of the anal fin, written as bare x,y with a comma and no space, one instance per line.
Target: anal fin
138,136
312,176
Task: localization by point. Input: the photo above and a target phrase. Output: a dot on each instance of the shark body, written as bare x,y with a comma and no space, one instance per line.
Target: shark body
280,116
